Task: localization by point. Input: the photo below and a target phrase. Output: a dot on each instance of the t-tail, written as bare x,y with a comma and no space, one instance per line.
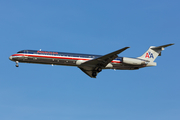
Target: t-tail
152,53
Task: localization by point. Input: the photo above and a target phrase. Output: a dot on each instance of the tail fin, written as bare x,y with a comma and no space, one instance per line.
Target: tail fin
152,53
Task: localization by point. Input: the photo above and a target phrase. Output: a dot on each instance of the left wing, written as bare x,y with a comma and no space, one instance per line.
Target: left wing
94,66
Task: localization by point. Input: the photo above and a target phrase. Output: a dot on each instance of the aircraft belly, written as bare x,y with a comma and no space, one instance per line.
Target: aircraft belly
122,66
70,62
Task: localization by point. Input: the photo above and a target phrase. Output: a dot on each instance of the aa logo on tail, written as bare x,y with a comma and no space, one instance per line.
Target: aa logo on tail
149,55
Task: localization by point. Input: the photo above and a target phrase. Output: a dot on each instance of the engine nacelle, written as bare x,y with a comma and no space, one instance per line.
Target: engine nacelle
79,62
133,61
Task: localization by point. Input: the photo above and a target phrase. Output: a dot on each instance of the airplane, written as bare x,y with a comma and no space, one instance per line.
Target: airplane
88,63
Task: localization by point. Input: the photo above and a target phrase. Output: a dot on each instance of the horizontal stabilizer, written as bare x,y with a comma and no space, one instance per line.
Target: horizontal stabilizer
163,46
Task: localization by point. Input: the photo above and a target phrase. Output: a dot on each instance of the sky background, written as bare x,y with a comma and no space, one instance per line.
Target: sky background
43,92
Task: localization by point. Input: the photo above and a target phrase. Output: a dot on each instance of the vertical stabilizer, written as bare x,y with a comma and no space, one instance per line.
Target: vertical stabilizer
152,53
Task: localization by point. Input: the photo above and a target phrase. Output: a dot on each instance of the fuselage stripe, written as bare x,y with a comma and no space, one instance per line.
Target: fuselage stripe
58,57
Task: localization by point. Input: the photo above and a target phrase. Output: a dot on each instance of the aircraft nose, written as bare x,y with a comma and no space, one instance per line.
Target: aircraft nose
10,57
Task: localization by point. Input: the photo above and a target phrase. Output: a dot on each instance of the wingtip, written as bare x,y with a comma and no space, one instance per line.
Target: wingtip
170,44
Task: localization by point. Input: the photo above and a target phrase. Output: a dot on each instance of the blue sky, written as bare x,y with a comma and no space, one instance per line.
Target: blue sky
36,92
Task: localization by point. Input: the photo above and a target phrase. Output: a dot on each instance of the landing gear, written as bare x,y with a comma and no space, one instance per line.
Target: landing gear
17,65
94,74
99,69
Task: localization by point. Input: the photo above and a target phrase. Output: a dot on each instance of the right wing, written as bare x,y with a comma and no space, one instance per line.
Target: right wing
94,66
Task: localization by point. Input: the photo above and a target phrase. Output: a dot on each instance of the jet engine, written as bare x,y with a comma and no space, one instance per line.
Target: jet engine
133,61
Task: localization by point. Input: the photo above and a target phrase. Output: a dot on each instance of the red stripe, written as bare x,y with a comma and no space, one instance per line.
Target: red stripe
57,57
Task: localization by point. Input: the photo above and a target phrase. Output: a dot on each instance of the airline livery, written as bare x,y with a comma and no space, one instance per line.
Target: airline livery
88,63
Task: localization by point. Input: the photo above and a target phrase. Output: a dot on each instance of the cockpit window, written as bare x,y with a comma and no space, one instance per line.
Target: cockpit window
28,51
22,51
